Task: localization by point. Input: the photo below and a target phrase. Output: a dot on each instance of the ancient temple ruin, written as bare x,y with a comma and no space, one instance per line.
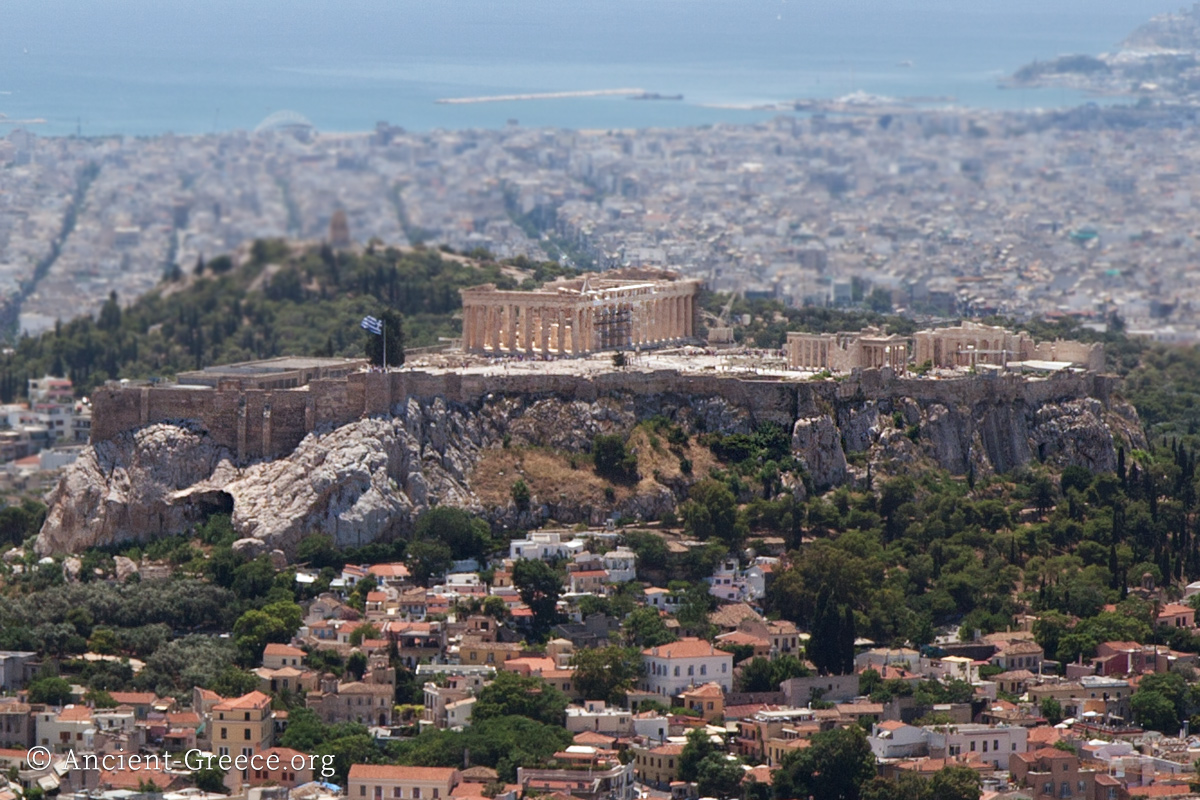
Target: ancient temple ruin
969,345
577,316
842,352
972,344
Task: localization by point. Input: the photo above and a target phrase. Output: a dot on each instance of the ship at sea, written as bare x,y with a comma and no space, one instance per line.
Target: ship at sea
656,96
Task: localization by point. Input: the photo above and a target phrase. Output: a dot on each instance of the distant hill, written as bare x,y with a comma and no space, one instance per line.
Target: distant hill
1157,60
271,298
1179,31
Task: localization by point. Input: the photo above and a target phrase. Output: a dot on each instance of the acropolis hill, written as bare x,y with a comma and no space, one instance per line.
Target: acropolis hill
293,446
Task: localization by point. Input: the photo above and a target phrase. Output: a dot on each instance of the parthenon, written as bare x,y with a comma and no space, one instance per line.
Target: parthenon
577,316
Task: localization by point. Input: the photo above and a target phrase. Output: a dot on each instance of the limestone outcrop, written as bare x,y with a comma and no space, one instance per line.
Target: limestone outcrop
370,478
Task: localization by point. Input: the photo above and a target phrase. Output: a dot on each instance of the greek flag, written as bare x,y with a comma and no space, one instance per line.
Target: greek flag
372,324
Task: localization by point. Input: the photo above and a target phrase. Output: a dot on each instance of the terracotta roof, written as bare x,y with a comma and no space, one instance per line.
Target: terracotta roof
276,649
594,739
1019,648
741,637
255,699
133,778
685,648
75,714
389,570
666,750
730,616
1160,790
760,774
707,690
183,718
387,772
1170,609
134,698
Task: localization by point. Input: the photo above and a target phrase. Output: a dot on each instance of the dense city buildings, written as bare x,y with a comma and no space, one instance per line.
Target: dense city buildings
1026,214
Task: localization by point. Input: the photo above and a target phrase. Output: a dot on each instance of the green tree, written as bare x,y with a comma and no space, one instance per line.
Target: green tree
367,630
1052,710
393,330
211,780
699,746
254,630
356,664
428,559
466,536
539,586
606,673
835,766
50,690
520,494
954,783
719,775
613,460
511,694
645,627
1154,710
711,512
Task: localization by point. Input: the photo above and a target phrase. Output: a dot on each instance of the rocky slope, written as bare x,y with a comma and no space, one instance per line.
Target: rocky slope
369,479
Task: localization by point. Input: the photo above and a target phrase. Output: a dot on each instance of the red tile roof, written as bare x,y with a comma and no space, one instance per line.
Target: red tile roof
387,772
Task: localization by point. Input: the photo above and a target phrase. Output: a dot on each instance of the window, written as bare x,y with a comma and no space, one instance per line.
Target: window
396,791
416,792
362,791
691,671
704,669
972,747
995,744
224,733
677,672
985,746
724,667
435,792
247,736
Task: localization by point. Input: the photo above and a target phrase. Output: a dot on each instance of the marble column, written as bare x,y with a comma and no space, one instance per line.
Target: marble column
560,319
543,324
527,329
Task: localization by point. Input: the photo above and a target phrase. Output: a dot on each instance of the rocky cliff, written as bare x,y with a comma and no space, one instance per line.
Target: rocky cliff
369,478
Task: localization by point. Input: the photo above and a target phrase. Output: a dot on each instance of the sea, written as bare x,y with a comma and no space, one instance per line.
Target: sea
148,67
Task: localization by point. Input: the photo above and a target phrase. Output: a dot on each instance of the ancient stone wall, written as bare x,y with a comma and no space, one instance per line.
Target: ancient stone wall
255,423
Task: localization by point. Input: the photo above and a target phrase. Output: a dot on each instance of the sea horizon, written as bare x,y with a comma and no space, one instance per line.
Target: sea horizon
135,67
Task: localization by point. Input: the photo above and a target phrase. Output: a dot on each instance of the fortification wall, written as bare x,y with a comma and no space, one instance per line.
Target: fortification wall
256,423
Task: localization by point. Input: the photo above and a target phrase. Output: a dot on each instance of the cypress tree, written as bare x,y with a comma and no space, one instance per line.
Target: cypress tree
847,636
1114,565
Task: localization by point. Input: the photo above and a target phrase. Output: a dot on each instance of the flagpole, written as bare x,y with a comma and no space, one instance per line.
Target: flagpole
383,328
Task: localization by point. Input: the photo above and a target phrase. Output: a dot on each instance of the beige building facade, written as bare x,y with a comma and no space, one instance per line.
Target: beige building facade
579,316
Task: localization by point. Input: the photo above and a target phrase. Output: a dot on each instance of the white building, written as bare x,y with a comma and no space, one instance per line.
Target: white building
621,565
671,668
950,668
596,716
894,739
546,545
994,744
